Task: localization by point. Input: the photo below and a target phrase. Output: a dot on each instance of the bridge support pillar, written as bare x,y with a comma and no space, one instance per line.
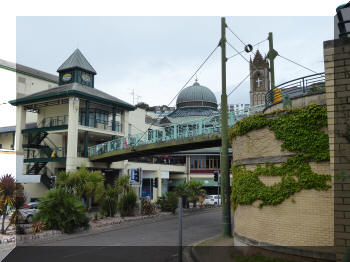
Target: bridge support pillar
159,189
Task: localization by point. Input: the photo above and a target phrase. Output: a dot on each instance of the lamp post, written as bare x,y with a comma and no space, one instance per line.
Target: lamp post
225,177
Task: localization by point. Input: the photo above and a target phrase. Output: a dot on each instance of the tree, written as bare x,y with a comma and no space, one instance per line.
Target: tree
182,191
20,199
142,105
7,197
194,191
109,201
83,183
59,210
122,185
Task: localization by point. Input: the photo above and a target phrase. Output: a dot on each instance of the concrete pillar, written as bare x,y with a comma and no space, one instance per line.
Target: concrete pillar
188,168
72,143
20,125
125,122
159,175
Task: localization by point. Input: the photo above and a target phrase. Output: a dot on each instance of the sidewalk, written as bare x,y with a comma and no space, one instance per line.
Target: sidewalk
223,250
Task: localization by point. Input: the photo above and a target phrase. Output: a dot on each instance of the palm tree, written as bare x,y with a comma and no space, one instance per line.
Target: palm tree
194,191
7,196
19,202
122,185
83,183
181,190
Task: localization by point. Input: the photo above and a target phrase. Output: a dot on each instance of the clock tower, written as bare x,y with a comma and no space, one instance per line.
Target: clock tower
259,79
76,69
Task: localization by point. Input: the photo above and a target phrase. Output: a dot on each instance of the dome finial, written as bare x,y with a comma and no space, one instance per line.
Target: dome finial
196,81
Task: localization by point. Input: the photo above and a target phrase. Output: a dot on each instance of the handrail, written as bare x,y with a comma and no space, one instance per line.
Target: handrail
53,121
295,87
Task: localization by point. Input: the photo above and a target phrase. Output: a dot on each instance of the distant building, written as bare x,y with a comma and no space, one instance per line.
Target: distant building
238,107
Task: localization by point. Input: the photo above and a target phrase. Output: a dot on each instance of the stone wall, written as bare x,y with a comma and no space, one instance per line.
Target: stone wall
304,219
337,69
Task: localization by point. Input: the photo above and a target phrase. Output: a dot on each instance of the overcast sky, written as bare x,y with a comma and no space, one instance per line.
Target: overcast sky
155,56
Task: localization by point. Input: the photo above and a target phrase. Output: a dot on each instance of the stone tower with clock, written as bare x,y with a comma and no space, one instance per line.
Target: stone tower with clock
259,79
76,69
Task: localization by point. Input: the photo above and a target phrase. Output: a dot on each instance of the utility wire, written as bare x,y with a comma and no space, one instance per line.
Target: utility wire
235,34
202,64
297,64
237,51
244,50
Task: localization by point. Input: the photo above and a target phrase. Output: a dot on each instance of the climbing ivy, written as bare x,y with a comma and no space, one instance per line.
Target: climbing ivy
299,131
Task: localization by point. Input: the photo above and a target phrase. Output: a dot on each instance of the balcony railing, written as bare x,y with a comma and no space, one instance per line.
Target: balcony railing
296,87
105,125
53,121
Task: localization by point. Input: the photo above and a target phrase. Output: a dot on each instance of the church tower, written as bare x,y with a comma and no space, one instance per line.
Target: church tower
259,79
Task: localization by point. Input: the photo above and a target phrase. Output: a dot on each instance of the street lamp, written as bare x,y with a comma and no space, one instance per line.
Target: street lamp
343,23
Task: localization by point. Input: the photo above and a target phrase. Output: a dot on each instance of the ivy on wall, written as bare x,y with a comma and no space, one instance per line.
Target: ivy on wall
300,131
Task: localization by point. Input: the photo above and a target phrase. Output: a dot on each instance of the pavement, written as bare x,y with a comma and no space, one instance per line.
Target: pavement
152,240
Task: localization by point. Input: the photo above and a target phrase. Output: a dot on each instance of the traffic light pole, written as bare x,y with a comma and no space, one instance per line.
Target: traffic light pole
225,177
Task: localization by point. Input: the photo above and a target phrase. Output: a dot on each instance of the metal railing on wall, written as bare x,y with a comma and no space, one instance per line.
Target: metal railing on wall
297,87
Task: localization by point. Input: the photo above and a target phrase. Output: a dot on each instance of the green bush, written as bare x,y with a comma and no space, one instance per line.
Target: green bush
59,210
168,203
109,202
127,204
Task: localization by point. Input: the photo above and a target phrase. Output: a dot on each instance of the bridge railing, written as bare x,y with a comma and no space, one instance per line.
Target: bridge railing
296,87
198,127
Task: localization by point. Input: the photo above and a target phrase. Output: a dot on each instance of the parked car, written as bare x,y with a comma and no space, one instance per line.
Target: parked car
27,212
212,200
32,205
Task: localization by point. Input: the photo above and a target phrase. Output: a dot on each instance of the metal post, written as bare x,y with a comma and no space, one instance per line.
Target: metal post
180,230
226,207
271,55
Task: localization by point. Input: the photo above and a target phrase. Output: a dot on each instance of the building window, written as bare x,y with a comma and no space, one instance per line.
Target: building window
0,146
129,129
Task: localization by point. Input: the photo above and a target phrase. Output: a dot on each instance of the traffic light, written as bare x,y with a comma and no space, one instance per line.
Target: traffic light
137,175
216,175
156,182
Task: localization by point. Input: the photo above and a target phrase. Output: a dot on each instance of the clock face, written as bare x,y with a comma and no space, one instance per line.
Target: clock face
85,78
66,77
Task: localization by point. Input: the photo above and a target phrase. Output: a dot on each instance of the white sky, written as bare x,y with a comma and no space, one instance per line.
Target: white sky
155,55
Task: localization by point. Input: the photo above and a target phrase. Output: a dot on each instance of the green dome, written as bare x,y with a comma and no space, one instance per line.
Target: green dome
196,96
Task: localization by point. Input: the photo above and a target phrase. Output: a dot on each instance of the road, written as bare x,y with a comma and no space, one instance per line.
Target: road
145,241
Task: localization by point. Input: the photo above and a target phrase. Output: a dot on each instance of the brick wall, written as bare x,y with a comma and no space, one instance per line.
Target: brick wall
307,220
337,68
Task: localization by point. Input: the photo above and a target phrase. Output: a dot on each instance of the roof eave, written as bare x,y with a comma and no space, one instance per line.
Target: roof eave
68,93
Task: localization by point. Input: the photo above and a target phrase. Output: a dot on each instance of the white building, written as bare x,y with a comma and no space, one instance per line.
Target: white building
61,116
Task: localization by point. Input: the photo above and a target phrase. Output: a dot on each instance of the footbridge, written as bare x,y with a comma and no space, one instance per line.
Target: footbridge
196,134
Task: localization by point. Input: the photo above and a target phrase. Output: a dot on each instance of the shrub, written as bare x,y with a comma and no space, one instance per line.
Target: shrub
127,204
59,210
147,207
109,202
168,203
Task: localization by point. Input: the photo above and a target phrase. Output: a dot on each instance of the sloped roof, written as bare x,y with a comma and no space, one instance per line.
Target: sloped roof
28,71
77,60
73,89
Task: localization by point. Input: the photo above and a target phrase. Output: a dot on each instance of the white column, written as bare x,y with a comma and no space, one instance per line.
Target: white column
20,125
125,122
159,191
72,139
188,168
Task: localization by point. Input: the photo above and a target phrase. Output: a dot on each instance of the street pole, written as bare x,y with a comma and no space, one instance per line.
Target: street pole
225,178
271,55
179,255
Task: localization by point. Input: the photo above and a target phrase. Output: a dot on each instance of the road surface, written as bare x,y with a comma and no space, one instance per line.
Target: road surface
144,241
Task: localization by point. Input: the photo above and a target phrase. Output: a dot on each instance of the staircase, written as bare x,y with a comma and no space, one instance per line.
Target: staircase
35,142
